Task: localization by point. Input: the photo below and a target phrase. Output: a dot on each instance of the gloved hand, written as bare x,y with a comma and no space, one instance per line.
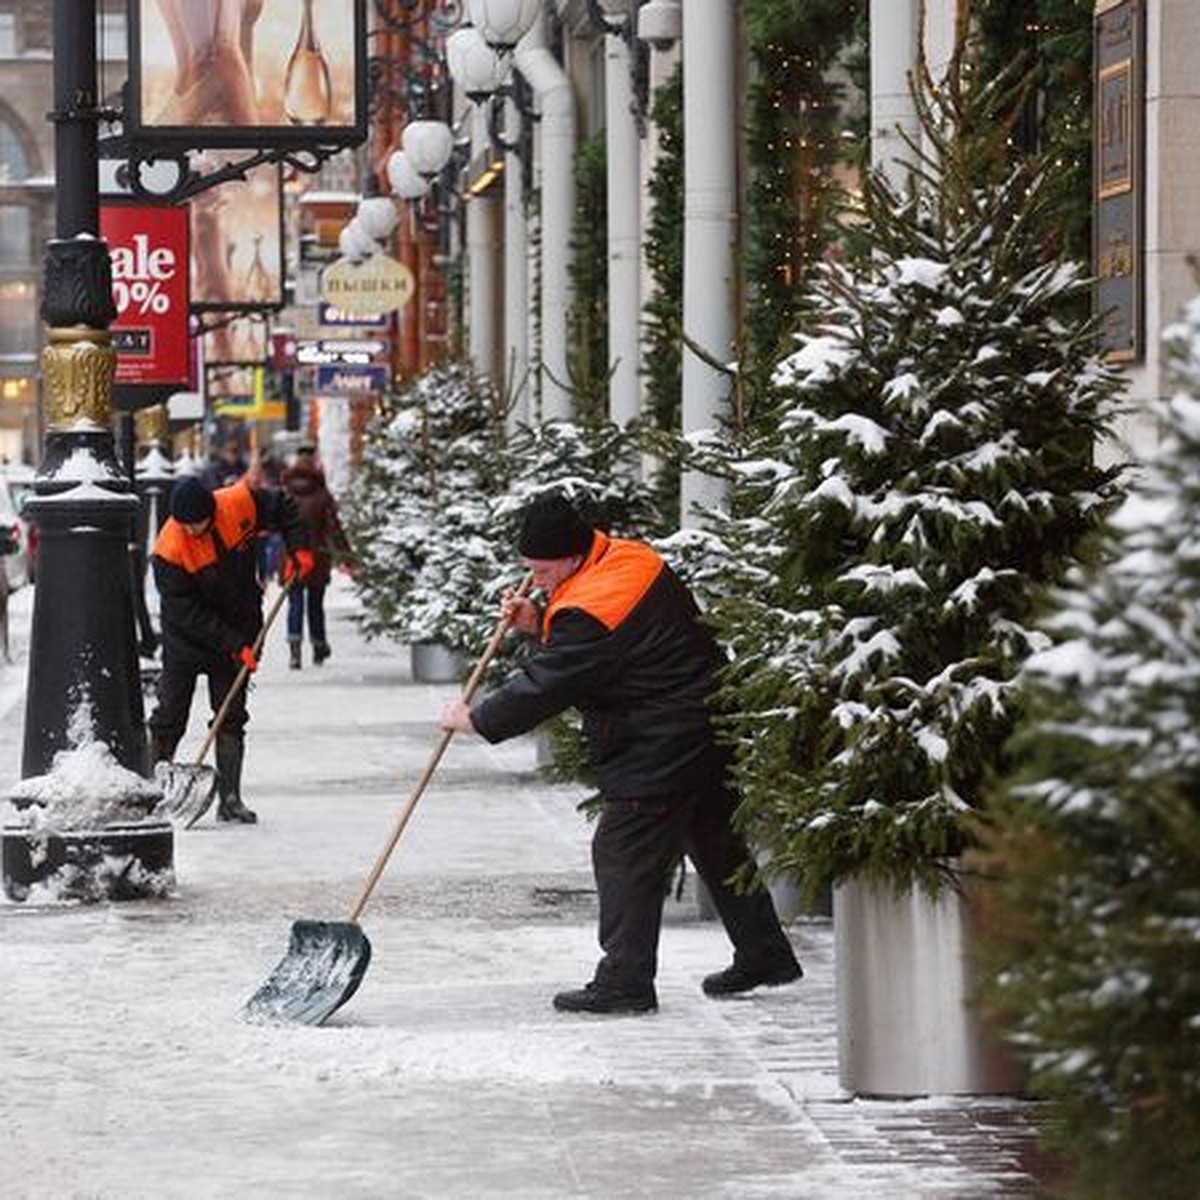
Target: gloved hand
299,566
247,658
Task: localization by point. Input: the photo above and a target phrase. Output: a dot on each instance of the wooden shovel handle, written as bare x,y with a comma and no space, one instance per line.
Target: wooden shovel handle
240,680
435,757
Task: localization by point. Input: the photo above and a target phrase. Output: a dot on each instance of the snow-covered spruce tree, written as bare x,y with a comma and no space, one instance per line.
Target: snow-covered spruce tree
928,470
386,515
1096,958
596,464
420,510
456,590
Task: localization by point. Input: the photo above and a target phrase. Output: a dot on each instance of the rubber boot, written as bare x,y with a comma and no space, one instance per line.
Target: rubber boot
162,749
294,650
321,652
230,751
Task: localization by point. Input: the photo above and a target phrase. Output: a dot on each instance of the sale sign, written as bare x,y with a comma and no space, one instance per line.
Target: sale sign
148,245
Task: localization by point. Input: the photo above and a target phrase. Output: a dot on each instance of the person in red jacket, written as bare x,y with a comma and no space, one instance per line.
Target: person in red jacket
622,641
211,613
305,483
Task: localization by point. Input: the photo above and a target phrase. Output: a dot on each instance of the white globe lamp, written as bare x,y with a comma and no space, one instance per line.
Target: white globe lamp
405,179
356,243
473,64
503,23
377,216
428,146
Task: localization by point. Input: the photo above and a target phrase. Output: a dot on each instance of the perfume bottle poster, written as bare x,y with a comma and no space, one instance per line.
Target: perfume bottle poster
211,70
241,340
237,241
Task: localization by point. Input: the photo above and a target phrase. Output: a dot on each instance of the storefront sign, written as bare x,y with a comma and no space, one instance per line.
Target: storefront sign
377,285
148,244
329,314
1120,96
352,379
339,350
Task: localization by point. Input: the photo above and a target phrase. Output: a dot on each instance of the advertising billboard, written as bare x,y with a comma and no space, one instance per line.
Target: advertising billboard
241,339
148,244
237,242
247,73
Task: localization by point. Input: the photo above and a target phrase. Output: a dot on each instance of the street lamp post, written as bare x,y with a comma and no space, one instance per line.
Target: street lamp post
83,685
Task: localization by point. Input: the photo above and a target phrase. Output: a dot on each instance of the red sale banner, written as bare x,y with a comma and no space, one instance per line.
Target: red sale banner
148,244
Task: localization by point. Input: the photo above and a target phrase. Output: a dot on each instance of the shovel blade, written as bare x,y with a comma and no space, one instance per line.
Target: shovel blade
188,791
323,966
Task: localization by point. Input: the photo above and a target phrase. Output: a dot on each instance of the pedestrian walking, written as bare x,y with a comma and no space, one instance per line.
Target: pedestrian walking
210,606
226,465
305,483
621,640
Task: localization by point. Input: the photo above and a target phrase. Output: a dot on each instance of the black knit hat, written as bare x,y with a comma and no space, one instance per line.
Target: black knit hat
551,528
191,501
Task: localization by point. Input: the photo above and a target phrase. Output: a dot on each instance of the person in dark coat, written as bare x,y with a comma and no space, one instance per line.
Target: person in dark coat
305,483
622,641
210,606
226,466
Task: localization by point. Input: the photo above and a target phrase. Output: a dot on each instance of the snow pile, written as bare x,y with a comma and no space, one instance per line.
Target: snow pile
85,789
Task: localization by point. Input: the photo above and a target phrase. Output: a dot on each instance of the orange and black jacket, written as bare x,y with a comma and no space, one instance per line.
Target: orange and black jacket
210,598
622,641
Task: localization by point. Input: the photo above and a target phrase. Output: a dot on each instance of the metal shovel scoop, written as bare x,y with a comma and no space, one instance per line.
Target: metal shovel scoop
190,788
326,960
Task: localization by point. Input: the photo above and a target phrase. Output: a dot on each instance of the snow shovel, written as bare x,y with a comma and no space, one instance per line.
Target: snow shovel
326,960
190,788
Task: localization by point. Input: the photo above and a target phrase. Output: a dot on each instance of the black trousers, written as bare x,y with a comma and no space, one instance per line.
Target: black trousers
637,843
176,687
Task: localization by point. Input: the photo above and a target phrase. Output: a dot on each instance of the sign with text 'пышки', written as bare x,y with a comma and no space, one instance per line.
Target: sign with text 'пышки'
377,285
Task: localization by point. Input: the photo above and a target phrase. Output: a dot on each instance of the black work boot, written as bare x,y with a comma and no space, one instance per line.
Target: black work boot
321,652
294,650
607,999
162,749
230,751
745,977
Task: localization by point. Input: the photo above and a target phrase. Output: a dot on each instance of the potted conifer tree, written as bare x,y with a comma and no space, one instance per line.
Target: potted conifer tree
1094,957
927,473
420,512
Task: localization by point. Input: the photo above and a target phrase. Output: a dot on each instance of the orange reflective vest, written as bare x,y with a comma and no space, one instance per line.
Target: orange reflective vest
611,594
234,521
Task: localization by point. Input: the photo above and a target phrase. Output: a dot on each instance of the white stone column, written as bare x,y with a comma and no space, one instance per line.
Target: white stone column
556,146
710,227
895,39
516,288
624,233
483,286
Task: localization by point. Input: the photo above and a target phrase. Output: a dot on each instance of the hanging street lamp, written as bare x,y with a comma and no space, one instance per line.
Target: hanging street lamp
428,145
503,23
473,64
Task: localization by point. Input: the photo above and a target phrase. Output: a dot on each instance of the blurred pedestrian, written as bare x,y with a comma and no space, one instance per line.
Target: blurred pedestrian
210,604
226,466
265,471
622,641
305,483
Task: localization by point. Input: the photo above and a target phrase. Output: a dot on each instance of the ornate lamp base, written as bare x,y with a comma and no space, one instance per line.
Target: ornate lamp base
120,862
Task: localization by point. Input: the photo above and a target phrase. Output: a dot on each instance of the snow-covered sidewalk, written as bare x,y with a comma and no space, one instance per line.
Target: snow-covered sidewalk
127,1072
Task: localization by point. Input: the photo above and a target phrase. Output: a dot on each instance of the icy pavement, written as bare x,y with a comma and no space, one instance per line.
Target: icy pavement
127,1073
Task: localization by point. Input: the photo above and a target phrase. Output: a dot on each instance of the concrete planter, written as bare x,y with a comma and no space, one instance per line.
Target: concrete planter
434,663
134,861
905,986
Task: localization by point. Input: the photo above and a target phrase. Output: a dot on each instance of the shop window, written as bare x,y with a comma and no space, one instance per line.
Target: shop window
19,329
14,163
